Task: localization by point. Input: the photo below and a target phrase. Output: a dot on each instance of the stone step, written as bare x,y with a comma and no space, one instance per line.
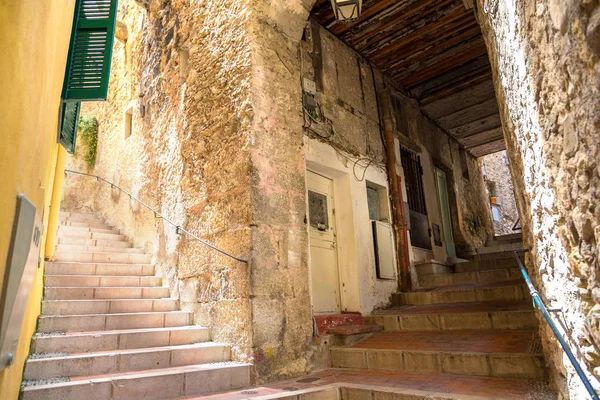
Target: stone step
99,249
89,293
85,224
352,384
499,247
84,256
70,233
79,230
432,267
503,291
79,342
79,307
501,354
66,240
485,262
70,268
101,281
156,384
100,322
465,278
125,360
514,315
67,214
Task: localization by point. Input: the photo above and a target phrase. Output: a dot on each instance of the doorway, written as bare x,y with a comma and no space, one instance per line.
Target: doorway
323,253
441,183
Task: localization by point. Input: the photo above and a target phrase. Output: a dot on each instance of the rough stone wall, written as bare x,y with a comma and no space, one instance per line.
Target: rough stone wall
185,70
495,169
546,71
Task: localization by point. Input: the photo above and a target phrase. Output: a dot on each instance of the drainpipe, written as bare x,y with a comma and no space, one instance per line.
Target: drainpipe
59,178
395,183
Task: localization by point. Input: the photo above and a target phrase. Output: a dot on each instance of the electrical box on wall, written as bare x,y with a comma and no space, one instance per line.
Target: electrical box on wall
22,262
309,86
385,254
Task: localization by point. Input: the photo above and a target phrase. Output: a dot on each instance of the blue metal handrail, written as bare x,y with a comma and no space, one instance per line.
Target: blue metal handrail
537,301
178,229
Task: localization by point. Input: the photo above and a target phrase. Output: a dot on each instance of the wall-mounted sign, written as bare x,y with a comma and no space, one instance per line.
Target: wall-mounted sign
22,261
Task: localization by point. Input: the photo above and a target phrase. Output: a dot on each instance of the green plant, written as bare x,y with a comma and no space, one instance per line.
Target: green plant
473,224
88,131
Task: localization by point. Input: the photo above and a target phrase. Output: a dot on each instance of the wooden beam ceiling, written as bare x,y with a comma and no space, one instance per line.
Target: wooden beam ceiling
434,50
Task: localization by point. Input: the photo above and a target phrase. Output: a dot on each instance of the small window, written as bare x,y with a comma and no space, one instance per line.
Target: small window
464,164
318,211
377,202
373,200
128,122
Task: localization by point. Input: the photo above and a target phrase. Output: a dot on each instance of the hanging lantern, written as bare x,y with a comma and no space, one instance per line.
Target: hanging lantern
346,10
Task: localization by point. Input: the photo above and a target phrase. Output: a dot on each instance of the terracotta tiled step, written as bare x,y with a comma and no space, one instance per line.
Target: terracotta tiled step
65,240
89,293
501,291
502,354
458,316
76,342
355,384
99,249
114,269
465,278
109,362
157,384
80,307
98,322
85,256
101,281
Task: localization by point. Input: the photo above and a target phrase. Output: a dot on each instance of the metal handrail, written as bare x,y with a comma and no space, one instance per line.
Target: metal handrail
178,228
537,301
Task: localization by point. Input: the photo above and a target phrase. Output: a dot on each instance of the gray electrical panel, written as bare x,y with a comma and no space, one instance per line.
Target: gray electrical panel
21,264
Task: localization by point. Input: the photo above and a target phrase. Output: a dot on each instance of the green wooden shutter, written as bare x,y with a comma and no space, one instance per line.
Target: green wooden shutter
68,125
90,51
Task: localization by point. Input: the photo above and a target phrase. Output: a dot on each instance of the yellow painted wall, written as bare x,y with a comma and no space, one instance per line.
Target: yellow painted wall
34,40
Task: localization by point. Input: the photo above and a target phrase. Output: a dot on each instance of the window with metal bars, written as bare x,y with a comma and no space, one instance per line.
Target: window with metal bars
413,178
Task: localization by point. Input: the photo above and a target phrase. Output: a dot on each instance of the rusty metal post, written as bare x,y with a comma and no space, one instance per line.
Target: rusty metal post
396,196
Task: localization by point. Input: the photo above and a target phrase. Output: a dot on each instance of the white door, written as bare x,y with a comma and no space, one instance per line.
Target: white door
323,254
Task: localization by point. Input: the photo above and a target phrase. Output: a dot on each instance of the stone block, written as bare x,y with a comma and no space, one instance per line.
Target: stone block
348,358
523,366
465,364
514,320
384,360
355,394
466,321
422,362
420,322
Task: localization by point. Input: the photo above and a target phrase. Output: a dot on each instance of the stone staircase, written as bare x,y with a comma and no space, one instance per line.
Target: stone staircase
473,321
109,329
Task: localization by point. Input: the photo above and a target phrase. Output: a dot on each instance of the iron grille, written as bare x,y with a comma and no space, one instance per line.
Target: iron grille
413,177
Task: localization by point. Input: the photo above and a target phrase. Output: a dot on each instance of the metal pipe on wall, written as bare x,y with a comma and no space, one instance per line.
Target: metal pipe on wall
395,183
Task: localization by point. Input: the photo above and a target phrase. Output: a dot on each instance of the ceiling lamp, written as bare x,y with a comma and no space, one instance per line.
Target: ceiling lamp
346,10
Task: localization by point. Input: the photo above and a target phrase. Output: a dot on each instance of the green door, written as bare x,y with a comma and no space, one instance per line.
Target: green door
442,194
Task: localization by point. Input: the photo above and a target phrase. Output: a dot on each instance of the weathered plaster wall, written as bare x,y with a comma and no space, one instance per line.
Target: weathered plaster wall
495,169
545,62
